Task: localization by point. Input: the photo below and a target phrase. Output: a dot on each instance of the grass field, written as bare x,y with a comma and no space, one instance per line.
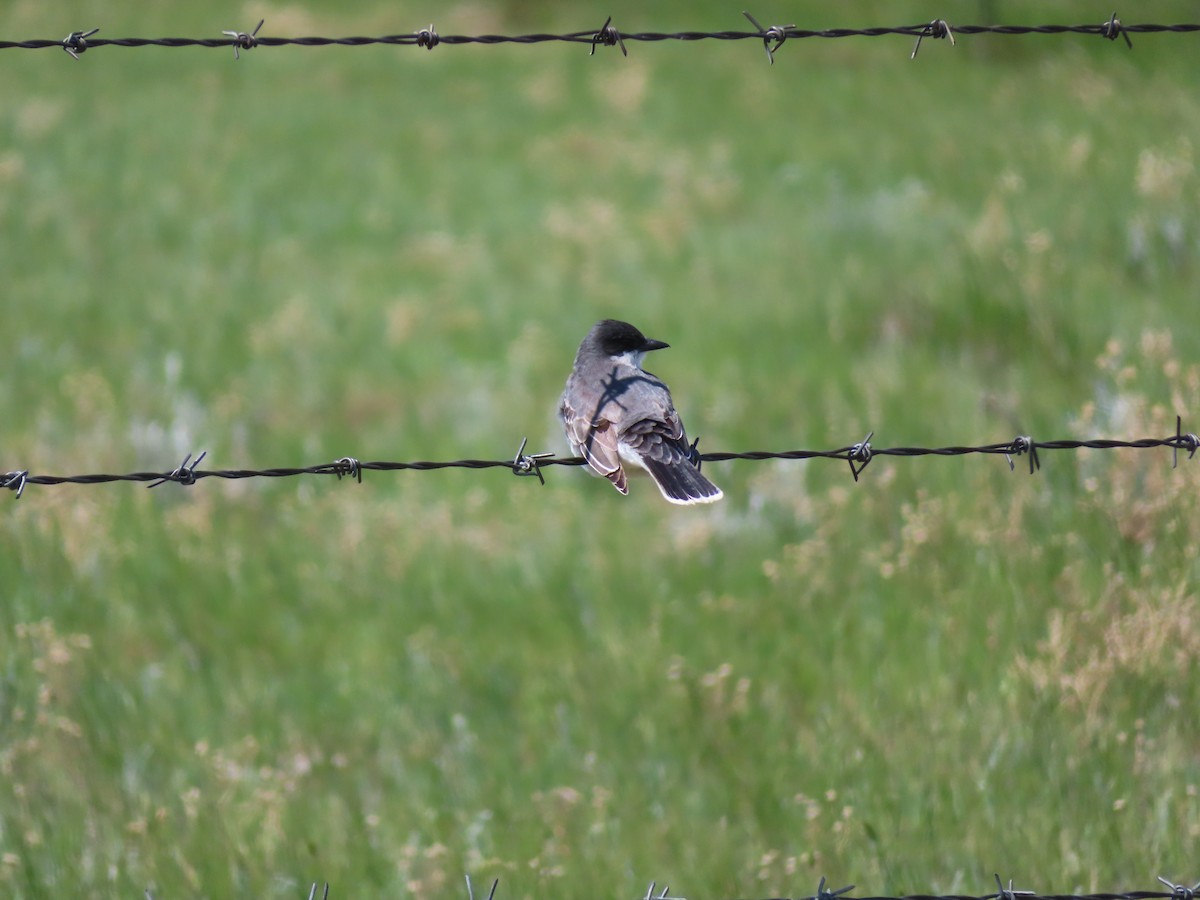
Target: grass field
943,671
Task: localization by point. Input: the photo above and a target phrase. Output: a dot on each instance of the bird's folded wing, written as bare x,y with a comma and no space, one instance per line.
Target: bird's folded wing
665,453
658,439
597,443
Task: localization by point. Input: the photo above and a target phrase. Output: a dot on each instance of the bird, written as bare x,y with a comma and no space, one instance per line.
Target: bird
614,413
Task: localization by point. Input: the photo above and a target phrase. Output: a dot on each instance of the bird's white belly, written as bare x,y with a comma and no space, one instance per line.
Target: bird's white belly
628,455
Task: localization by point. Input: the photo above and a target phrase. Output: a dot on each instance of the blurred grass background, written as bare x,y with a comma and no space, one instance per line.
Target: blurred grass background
944,671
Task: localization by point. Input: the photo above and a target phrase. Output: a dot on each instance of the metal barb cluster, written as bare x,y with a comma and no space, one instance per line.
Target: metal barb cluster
938,28
524,464
471,891
1189,442
1181,891
776,33
349,467
185,474
609,37
15,481
823,894
428,37
243,41
76,43
1010,894
664,894
1113,29
859,455
1023,444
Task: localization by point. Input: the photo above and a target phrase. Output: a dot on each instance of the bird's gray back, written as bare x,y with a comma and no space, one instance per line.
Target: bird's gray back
623,393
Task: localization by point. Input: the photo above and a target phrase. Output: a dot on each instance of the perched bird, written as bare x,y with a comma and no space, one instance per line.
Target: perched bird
614,411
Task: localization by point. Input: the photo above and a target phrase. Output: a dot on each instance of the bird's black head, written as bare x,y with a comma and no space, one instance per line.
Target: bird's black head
616,338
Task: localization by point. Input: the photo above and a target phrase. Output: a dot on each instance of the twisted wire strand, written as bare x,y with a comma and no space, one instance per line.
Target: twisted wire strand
1177,892
77,42
858,455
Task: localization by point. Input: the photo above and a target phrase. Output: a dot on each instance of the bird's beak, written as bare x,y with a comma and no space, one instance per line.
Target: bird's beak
652,344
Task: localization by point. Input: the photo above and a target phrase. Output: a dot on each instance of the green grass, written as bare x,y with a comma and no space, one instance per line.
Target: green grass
943,671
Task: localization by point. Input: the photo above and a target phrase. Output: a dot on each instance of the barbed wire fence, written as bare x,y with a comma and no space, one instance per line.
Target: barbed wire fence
1174,892
857,455
532,464
773,37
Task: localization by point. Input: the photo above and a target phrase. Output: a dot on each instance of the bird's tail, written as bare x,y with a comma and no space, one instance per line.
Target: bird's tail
681,482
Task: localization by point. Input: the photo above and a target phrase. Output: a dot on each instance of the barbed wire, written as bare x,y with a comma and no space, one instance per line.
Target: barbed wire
1174,892
532,464
773,37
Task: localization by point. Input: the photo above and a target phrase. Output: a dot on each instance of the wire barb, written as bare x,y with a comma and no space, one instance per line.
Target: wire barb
1010,894
243,41
860,453
776,33
609,37
15,481
1112,29
428,37
1181,891
524,464
185,474
349,467
471,891
1023,444
1189,442
312,894
664,894
938,28
823,894
75,43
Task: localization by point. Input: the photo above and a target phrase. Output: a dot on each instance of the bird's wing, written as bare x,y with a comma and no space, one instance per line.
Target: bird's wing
662,440
596,441
672,462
